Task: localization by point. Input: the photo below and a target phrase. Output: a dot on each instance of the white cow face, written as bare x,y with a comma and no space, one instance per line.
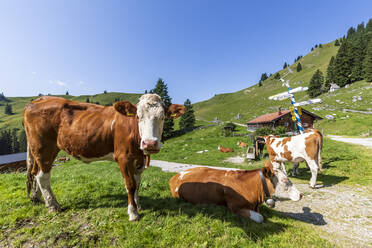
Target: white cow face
284,188
151,113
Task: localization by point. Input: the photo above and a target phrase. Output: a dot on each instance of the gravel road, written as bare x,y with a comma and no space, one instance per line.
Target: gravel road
359,141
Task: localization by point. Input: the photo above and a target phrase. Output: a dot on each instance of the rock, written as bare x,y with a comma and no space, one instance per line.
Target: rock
329,117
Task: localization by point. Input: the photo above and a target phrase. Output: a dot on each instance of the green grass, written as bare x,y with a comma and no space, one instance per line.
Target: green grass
253,101
94,201
343,163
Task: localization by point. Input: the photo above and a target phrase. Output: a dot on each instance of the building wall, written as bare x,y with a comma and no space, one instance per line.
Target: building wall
286,121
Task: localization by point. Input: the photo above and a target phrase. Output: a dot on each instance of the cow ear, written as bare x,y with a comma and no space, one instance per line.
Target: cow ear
125,108
175,110
268,170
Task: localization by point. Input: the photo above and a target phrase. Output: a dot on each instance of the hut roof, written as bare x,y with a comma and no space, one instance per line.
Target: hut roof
11,158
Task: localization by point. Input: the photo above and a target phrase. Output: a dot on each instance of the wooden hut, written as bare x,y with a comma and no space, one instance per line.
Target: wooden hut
283,118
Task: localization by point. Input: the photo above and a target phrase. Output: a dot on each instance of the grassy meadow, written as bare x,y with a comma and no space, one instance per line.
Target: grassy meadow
94,203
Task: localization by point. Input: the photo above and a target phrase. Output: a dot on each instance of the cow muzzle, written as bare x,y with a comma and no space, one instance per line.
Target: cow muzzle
150,146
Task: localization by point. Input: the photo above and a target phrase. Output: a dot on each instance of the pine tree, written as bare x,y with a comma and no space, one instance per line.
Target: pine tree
312,49
316,83
67,93
277,75
162,90
87,100
320,46
358,54
299,67
263,78
8,109
285,65
330,75
14,140
5,142
187,120
343,64
105,92
22,141
337,43
367,63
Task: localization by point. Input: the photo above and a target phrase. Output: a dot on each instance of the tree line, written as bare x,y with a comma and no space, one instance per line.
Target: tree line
11,142
352,63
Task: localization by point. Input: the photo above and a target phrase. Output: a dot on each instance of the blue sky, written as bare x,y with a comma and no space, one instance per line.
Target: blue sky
200,48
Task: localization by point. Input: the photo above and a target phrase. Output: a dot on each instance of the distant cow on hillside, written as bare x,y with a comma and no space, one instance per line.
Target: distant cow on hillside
225,149
242,144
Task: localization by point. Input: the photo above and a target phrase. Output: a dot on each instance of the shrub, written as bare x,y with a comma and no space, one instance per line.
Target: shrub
263,131
280,130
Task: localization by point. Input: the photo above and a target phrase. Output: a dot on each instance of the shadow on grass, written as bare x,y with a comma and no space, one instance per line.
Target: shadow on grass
173,207
327,180
306,216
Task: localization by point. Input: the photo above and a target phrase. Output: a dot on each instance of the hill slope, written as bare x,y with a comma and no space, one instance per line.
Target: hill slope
253,101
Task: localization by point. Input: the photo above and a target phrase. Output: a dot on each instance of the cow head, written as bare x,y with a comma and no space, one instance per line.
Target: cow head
284,188
151,113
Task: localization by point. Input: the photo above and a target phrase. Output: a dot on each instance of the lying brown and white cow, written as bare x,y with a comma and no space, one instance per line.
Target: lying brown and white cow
303,147
242,191
224,149
124,132
242,144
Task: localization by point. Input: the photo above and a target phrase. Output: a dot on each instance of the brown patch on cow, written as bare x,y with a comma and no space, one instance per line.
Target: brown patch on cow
278,144
285,140
286,154
237,190
225,149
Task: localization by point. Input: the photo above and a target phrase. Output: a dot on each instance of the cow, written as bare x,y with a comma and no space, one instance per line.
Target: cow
303,147
259,143
242,144
125,133
241,191
224,149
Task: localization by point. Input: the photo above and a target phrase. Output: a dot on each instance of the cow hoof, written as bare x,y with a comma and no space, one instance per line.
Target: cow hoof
133,217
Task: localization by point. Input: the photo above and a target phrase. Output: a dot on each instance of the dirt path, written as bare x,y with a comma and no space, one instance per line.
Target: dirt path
341,214
359,141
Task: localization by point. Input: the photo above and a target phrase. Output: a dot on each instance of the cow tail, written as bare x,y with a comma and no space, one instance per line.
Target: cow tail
30,165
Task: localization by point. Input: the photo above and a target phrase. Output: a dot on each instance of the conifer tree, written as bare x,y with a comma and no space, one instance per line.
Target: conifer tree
22,141
187,120
299,67
162,90
277,75
330,75
8,109
263,78
285,65
337,43
343,64
316,83
367,63
67,93
14,140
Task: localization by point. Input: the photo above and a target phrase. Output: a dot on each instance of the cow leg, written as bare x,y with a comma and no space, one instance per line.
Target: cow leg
253,215
137,178
127,168
36,193
43,180
295,169
314,172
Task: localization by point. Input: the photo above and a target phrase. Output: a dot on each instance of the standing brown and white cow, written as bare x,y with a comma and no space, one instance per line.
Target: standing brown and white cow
124,132
303,147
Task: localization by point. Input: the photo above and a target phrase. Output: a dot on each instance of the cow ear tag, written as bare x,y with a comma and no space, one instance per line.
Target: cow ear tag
173,115
130,114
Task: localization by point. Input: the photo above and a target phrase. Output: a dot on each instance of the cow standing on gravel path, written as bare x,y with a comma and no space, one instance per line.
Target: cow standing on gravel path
303,147
124,132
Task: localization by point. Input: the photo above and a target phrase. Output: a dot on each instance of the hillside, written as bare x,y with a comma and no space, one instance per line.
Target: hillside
253,101
18,104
